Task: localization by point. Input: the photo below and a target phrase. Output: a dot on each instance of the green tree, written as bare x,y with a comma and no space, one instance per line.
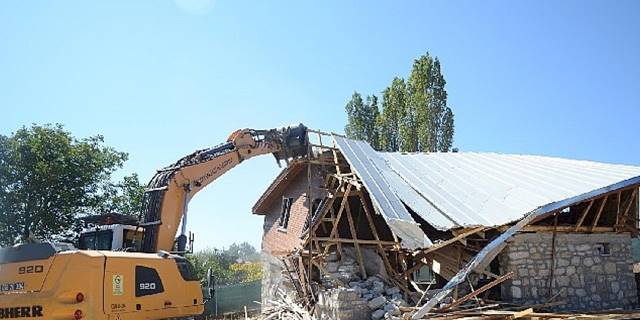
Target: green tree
445,142
48,178
361,123
371,131
441,116
237,264
244,251
123,197
217,260
393,110
355,128
418,88
414,117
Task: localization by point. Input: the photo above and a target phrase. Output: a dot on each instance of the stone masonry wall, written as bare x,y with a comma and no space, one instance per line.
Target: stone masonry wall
592,271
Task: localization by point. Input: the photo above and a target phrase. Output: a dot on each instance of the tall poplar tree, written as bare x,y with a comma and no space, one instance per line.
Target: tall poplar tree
372,131
419,94
362,117
355,117
414,116
393,108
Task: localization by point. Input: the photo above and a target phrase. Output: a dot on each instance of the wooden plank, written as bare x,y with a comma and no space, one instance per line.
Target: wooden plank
522,313
479,291
597,218
416,287
584,215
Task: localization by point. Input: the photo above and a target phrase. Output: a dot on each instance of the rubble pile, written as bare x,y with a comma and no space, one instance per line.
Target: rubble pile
284,308
343,279
383,301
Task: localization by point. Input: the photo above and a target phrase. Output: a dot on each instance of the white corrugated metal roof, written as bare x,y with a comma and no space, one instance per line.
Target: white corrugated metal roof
463,189
372,170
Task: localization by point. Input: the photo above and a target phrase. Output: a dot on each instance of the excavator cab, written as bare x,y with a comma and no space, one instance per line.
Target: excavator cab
112,231
116,237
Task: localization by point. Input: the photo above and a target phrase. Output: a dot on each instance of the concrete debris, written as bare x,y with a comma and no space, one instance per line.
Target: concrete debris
378,314
370,296
377,302
284,308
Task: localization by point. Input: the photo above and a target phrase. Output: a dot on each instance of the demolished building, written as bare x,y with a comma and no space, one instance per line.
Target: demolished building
523,230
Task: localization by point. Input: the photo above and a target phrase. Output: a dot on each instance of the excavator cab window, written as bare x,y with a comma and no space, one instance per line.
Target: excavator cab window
96,240
131,239
186,269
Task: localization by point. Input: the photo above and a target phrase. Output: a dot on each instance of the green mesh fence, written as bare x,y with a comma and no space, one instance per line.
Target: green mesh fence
233,298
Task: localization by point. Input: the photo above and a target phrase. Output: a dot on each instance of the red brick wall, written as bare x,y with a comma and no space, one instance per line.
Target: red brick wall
277,241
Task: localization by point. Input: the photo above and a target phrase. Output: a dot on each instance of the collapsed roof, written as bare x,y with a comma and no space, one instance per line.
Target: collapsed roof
466,189
451,190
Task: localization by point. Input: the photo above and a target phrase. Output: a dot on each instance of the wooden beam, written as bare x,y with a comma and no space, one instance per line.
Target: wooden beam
443,244
381,250
416,287
584,215
354,236
566,229
328,207
632,198
345,198
374,231
335,156
479,291
618,199
597,218
608,193
360,241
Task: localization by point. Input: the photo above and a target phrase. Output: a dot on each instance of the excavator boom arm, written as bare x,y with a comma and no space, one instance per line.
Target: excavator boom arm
170,190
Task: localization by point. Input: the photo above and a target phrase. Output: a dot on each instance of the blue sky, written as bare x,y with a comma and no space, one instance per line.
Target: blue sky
160,79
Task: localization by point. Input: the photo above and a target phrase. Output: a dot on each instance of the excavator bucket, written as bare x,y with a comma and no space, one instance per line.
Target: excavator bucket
294,143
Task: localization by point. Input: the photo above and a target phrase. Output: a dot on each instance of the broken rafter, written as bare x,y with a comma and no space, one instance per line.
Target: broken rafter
455,239
418,257
479,291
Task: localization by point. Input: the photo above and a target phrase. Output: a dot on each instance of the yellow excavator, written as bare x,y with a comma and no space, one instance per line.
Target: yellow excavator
57,281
